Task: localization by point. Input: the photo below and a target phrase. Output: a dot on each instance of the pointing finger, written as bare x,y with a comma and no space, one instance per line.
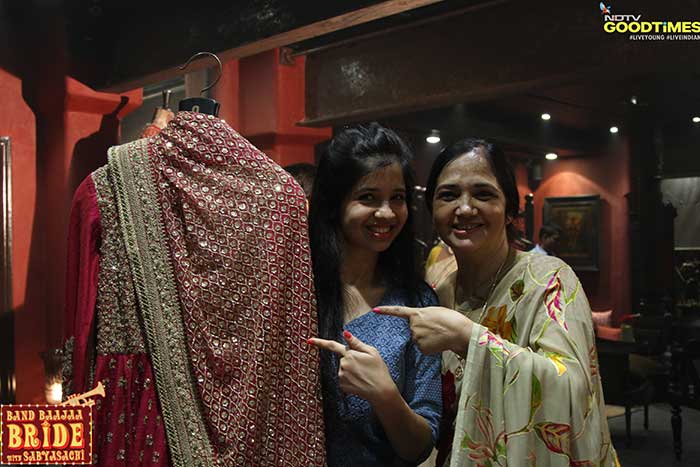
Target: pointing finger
398,311
333,346
356,344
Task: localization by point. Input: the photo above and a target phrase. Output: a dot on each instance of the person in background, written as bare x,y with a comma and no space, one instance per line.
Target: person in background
520,368
440,264
305,174
549,240
161,117
382,396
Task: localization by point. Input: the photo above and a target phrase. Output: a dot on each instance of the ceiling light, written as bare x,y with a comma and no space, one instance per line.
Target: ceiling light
552,156
545,116
614,129
696,119
633,100
434,137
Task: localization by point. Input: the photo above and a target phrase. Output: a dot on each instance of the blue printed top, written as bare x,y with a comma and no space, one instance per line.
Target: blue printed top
359,439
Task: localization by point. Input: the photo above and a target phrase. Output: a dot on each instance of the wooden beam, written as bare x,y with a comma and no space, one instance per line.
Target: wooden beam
395,29
319,28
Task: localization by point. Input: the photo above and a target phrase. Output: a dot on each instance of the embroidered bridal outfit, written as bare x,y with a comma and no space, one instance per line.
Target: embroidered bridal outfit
190,297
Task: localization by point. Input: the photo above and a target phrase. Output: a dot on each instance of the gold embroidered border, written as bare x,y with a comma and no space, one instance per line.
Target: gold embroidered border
118,327
154,279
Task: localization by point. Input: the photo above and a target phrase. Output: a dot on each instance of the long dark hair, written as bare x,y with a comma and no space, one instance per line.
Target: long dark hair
352,154
500,167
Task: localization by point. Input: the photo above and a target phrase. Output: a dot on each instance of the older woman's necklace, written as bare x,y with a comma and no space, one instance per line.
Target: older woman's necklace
492,287
459,370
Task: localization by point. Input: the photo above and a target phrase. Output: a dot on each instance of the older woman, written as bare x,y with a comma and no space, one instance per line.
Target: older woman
514,328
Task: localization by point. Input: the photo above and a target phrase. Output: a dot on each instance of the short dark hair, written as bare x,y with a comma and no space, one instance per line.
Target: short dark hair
549,230
305,174
500,167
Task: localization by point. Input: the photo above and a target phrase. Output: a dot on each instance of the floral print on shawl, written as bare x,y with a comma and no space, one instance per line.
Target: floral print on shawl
529,391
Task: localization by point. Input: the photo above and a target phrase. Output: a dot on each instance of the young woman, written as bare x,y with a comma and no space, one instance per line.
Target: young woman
382,396
519,357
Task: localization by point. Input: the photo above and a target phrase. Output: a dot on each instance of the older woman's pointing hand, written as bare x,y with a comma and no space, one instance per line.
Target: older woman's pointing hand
435,328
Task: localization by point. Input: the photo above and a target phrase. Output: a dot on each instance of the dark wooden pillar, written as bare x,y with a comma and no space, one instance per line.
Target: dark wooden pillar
652,252
651,222
7,358
530,216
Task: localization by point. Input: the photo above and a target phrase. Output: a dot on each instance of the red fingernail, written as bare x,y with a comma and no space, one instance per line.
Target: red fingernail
310,341
347,335
376,309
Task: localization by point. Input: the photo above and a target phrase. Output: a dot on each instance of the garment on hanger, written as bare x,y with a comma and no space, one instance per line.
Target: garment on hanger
161,117
190,296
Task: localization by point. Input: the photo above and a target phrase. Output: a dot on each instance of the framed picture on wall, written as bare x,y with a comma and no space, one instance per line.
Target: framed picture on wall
579,220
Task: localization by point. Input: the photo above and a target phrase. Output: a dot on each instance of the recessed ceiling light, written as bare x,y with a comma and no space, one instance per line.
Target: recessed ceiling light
552,156
434,137
614,129
696,119
545,116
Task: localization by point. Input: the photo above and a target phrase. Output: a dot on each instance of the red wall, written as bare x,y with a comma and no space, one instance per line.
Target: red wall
55,145
271,105
608,176
227,91
17,122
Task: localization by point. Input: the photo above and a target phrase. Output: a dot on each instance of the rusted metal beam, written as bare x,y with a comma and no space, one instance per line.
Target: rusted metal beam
507,49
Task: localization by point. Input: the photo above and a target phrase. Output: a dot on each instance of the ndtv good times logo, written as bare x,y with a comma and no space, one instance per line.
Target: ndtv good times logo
657,30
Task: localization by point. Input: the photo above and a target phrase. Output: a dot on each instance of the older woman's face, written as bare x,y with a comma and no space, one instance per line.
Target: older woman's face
469,207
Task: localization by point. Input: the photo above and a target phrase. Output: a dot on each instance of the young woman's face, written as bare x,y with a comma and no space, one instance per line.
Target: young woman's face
375,211
469,206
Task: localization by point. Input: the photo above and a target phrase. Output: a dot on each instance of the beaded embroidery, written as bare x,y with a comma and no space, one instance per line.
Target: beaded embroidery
118,328
67,366
216,236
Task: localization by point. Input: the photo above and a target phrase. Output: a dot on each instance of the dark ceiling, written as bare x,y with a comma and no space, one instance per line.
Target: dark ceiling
112,42
602,103
581,115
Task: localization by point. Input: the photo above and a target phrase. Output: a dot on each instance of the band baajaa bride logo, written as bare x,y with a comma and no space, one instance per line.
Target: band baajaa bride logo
48,434
656,30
